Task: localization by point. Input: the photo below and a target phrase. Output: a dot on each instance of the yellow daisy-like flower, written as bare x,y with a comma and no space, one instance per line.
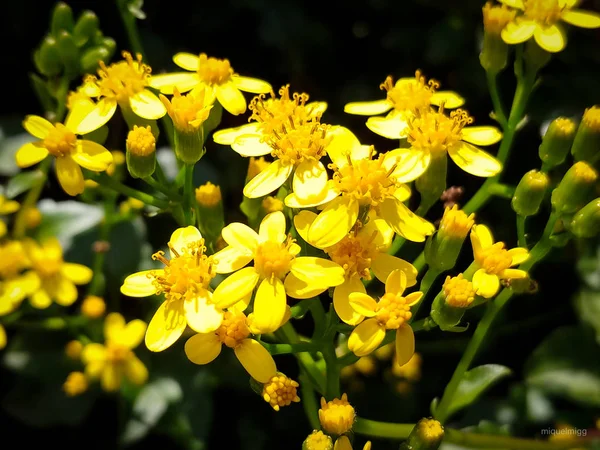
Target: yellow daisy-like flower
277,270
116,360
214,74
61,142
494,262
404,97
540,20
235,333
124,84
14,285
337,416
57,279
363,182
391,312
361,251
185,283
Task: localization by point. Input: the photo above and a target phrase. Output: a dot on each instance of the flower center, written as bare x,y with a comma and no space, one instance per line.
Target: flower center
141,141
123,79
274,113
355,254
317,440
458,291
280,391
436,132
455,223
117,353
273,259
12,259
234,329
336,416
48,265
392,311
60,141
189,111
208,195
547,12
410,96
214,71
495,259
367,180
187,273
591,117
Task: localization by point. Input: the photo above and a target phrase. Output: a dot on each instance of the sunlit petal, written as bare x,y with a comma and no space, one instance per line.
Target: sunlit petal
256,359
368,108
366,337
268,180
341,300
474,160
203,348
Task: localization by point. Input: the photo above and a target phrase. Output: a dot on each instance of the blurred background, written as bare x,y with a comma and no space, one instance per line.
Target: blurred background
336,51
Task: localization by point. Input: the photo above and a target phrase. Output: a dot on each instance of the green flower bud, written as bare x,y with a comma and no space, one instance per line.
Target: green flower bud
62,19
557,141
494,52
450,305
442,248
109,44
432,184
586,223
530,193
189,147
210,207
47,58
586,146
91,58
575,188
426,435
85,28
69,53
141,152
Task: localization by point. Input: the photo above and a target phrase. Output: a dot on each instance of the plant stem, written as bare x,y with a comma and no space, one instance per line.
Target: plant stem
332,387
482,441
496,100
97,285
31,199
521,237
188,193
318,314
162,188
131,28
502,190
309,402
282,349
382,429
111,183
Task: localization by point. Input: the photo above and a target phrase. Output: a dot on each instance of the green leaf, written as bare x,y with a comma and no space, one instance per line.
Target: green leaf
474,383
587,305
23,182
566,364
8,149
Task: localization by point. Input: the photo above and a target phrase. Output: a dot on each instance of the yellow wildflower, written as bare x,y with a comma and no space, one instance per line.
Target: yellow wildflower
280,391
494,262
2,337
93,306
185,283
208,195
189,111
73,349
392,312
404,97
277,270
540,20
14,285
57,279
214,75
140,141
234,332
336,416
75,384
61,142
496,17
123,84
115,360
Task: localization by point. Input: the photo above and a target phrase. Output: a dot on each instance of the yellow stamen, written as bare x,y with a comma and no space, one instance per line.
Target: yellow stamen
280,391
117,354
458,291
272,112
141,141
234,329
123,79
494,259
436,132
392,311
591,118
214,71
208,195
189,111
410,96
566,127
547,12
336,416
496,17
455,223
355,254
60,141
273,259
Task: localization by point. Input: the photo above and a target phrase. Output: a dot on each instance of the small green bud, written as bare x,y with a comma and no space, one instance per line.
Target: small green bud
69,53
557,141
586,146
62,19
47,59
494,52
109,44
575,188
530,193
450,305
586,222
432,184
189,147
91,58
426,435
85,28
141,152
442,248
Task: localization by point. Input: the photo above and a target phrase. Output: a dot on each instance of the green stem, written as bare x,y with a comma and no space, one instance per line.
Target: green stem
387,430
188,193
426,283
496,100
162,188
318,314
332,387
309,402
482,441
282,349
521,237
502,190
111,183
131,28
31,199
97,284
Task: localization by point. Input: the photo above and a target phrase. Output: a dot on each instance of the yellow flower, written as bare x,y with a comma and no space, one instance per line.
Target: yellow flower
208,195
75,384
277,270
190,111
214,75
317,440
361,251
271,204
73,350
403,98
61,142
540,20
392,312
115,360
57,279
336,416
494,262
234,332
280,391
365,183
93,306
6,207
458,291
123,84
2,337
14,286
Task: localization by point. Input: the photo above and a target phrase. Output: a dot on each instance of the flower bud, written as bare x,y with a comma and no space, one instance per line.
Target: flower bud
73,350
141,152
280,391
47,58
442,248
93,307
271,204
256,166
75,384
85,28
575,188
450,305
62,19
210,207
426,435
33,217
557,141
69,53
586,146
336,416
317,440
586,223
494,52
529,193
91,58
432,184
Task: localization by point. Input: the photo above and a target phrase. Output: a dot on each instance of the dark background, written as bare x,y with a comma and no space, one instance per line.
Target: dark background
336,51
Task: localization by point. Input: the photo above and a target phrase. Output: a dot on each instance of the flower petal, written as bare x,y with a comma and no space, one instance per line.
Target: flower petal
342,143
581,19
231,98
273,228
69,175
228,135
552,39
334,222
136,371
37,126
518,4
166,326
410,163
182,238
201,314
341,300
450,99
251,145
183,81
203,348
111,378
366,337
302,222
485,284
241,236
519,31
383,265
343,443
292,200
77,273
114,324
30,154
40,299
481,135
404,222
98,116
363,304
310,181
519,255
235,287
481,238
269,305
252,85
372,108
300,289
379,233
413,298
92,156
187,61
474,160
405,344
141,284
396,282
133,333
256,359
147,105
268,180
391,127
231,259
513,274
62,290
318,270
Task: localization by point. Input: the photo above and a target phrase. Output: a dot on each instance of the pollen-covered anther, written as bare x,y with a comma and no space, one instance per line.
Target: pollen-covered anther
337,416
410,96
435,131
123,79
392,311
141,141
458,291
456,223
234,329
272,112
280,391
547,12
355,254
273,259
299,139
213,70
60,141
495,259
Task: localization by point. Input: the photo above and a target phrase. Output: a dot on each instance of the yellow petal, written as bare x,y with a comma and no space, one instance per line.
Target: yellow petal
391,127
2,337
512,274
62,290
269,305
147,105
133,333
202,315
69,175
334,222
93,353
396,282
37,126
342,443
341,300
256,359
253,85
485,284
513,3
242,305
183,81
481,237
450,99
481,135
302,222
293,201
552,39
231,98
182,238
140,284
241,236
408,163
228,135
368,108
166,326
231,259
404,222
300,289
273,228
251,145
235,287
363,304
519,255
310,181
100,115
383,265
405,344
413,298
379,233
474,160
30,154
203,348
343,141
366,337
187,61
92,156
519,31
318,270
3,230
268,180
114,324
136,371
40,299
77,112
581,19
8,206
111,378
